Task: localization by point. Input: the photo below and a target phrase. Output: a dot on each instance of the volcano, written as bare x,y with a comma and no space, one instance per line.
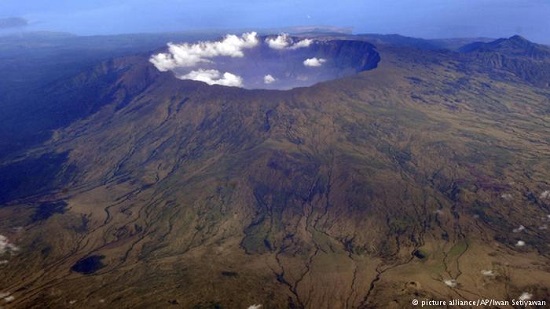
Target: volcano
410,174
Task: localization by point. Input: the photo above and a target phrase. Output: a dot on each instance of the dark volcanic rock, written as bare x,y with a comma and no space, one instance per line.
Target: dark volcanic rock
46,210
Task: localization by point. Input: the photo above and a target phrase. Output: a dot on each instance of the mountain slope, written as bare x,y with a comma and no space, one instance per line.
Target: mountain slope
34,64
527,60
368,191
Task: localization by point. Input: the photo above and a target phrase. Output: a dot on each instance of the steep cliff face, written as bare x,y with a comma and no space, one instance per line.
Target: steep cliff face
407,181
348,54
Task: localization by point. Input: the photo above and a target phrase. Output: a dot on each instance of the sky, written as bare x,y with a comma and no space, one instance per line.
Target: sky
418,18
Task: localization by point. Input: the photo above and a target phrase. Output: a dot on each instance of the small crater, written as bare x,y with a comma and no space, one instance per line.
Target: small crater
89,265
230,274
419,254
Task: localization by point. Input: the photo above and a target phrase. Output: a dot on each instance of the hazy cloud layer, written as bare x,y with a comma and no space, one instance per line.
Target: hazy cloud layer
12,22
189,55
214,77
314,62
420,18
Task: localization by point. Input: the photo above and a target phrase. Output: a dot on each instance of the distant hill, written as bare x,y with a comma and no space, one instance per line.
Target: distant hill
515,46
527,60
452,44
399,40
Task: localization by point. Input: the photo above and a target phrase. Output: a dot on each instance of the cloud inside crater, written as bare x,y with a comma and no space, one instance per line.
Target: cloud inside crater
253,62
284,41
268,79
314,62
189,55
280,42
214,77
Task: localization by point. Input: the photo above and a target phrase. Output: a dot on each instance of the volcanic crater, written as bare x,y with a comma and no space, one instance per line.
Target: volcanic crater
267,62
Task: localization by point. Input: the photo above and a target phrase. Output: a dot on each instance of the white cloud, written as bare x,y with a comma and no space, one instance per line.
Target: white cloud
6,246
314,62
214,77
506,196
284,41
280,42
488,273
255,307
189,55
268,79
302,43
450,283
520,243
519,229
525,296
198,61
7,297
